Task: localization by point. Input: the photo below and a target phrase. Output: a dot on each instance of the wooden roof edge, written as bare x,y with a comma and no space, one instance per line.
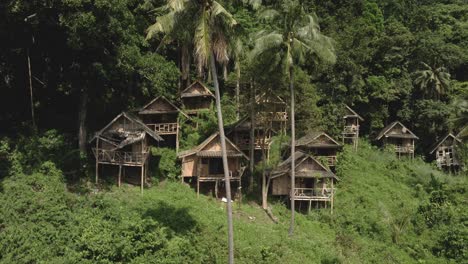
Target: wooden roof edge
167,100
319,133
304,157
150,132
202,84
260,96
199,147
438,143
390,126
354,112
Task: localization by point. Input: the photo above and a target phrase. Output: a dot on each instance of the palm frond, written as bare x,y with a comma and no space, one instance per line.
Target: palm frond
164,24
264,42
218,10
177,5
202,41
268,14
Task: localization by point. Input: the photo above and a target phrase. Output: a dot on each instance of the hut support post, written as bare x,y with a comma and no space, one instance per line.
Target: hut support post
142,177
97,160
119,180
216,189
332,197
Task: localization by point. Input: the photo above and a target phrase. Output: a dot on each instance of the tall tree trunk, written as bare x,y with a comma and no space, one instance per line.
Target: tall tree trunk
82,112
225,160
252,136
238,94
185,65
293,149
31,91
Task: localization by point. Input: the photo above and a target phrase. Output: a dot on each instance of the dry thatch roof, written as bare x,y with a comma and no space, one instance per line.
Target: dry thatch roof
309,141
199,150
405,132
284,168
193,91
352,113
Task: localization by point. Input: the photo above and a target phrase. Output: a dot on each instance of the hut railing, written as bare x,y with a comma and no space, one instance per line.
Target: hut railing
164,128
120,157
244,143
232,174
331,160
350,129
404,149
272,116
313,193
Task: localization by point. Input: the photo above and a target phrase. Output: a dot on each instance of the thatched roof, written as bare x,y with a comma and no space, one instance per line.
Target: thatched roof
438,143
196,89
351,113
405,132
138,128
172,107
310,141
201,152
284,168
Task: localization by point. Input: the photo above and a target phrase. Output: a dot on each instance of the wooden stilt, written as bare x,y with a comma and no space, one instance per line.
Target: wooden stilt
119,181
310,205
97,160
198,186
216,189
142,175
332,197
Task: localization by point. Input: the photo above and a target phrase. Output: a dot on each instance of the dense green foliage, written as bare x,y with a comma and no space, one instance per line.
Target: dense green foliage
386,211
395,60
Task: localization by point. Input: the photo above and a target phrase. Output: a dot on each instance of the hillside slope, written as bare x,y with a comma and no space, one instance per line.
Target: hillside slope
387,211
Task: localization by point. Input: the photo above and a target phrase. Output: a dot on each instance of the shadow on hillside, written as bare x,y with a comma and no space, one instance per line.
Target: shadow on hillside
177,219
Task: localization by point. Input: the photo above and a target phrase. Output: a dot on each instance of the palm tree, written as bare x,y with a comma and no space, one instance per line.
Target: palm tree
211,30
432,81
295,37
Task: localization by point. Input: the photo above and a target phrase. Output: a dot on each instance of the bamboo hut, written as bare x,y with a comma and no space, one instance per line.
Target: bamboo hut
204,163
321,145
239,133
351,127
196,97
162,116
271,112
400,137
445,153
314,182
123,143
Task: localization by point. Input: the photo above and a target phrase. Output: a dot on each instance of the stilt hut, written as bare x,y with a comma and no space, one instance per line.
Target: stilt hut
271,112
162,116
123,143
320,144
351,127
239,133
196,97
314,182
204,163
400,137
445,152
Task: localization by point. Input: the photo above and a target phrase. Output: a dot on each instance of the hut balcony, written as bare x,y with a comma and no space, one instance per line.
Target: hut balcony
404,149
313,194
164,128
244,143
121,157
353,129
233,175
331,160
272,116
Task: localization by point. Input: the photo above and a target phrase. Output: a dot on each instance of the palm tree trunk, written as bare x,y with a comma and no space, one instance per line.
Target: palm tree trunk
252,136
185,65
31,91
293,149
225,160
82,112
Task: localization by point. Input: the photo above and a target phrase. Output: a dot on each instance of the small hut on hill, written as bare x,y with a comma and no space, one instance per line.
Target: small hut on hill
399,136
271,112
196,97
239,133
320,144
204,162
314,182
351,126
162,116
124,143
445,152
